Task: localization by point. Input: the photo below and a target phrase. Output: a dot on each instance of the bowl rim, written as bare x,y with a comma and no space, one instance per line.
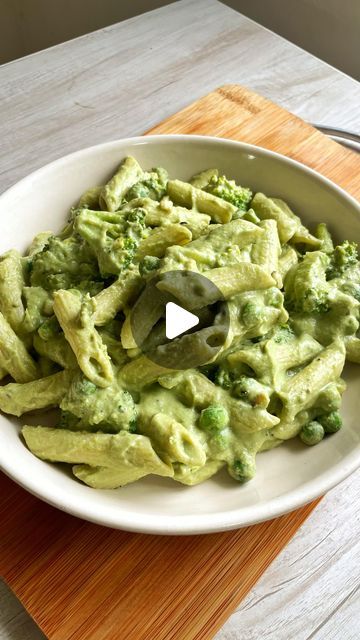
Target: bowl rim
194,523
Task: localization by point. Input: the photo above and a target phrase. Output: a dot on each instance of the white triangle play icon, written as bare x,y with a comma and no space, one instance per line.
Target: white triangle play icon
178,320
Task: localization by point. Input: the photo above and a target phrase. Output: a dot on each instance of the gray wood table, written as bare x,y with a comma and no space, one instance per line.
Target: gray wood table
118,82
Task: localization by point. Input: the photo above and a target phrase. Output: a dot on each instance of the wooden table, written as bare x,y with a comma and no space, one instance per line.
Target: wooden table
118,82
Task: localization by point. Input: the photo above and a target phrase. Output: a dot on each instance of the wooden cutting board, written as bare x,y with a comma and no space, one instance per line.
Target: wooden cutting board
80,581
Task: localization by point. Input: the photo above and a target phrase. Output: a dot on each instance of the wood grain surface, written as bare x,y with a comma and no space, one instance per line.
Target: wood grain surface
81,581
84,582
240,114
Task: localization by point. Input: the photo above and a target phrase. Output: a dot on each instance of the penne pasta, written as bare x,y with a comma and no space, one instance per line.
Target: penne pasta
11,287
17,399
90,199
113,192
160,239
14,357
186,194
75,318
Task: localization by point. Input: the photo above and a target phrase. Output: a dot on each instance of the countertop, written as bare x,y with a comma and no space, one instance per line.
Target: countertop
118,82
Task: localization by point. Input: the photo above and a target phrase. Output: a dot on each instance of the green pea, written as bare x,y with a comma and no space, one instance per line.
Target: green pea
214,418
148,264
329,399
243,468
332,422
312,433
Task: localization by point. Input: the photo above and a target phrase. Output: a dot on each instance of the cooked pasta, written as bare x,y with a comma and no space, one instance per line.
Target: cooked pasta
275,325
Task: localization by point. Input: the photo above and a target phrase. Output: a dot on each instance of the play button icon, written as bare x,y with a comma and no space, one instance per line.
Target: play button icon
178,320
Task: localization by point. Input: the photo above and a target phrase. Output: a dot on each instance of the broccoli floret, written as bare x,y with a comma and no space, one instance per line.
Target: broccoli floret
138,190
109,409
125,252
332,422
126,245
228,190
243,468
306,289
152,185
312,433
345,255
314,301
136,215
113,237
148,265
214,418
85,386
63,264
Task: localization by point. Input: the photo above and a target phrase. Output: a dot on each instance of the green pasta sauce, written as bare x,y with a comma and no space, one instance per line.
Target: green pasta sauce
292,300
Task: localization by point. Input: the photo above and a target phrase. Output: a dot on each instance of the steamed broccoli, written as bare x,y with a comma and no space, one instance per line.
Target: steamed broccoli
306,289
345,255
314,301
110,409
152,185
114,237
283,334
228,190
63,264
85,387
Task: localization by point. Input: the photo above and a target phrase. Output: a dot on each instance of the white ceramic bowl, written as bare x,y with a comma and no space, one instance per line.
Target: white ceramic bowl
287,477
